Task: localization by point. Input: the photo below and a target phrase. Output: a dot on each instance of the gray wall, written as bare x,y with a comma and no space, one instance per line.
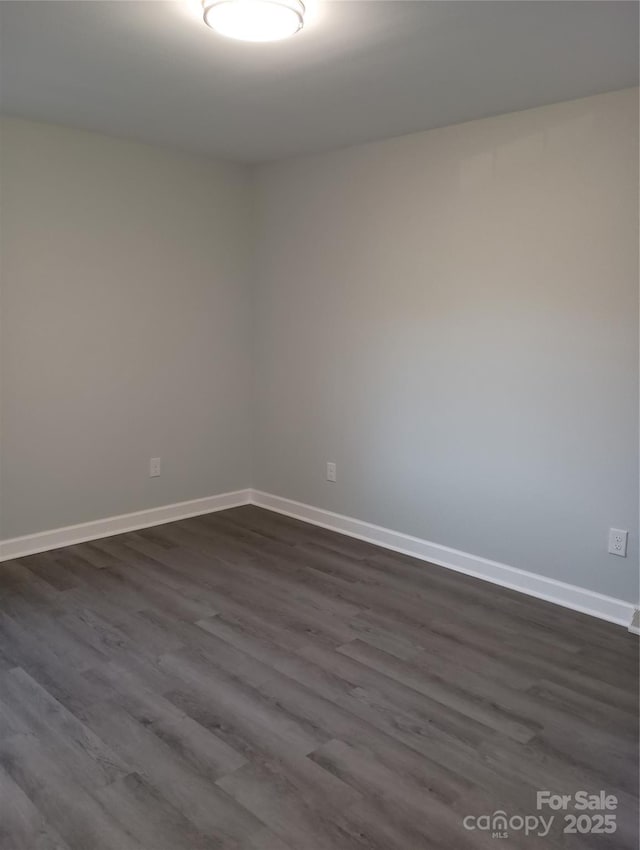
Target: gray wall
125,329
452,317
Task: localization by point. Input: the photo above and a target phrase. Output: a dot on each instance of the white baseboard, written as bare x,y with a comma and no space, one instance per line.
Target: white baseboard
552,590
30,544
567,595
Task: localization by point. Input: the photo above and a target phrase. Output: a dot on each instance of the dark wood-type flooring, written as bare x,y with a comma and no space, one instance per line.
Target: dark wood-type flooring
243,680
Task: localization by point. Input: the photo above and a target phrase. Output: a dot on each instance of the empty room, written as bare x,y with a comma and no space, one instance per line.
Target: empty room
319,408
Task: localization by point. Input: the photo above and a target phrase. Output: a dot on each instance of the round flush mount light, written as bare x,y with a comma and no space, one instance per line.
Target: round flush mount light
254,20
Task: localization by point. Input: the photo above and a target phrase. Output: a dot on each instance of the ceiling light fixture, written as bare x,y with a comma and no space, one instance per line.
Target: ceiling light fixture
254,20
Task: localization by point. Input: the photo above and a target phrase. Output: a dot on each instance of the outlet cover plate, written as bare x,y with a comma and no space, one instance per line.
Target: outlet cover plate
618,542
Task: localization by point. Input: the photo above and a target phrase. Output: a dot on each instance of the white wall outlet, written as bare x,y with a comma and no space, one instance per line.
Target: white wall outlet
331,471
154,467
618,542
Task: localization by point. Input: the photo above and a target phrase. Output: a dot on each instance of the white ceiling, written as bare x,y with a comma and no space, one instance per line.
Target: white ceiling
359,71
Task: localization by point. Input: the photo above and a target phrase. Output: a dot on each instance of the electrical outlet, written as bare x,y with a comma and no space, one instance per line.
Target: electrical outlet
331,471
154,467
618,542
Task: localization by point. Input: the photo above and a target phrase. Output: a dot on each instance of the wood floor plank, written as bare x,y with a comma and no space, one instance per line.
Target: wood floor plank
208,754
265,840
249,719
61,798
204,805
144,813
22,826
397,794
453,696
60,732
297,805
46,663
